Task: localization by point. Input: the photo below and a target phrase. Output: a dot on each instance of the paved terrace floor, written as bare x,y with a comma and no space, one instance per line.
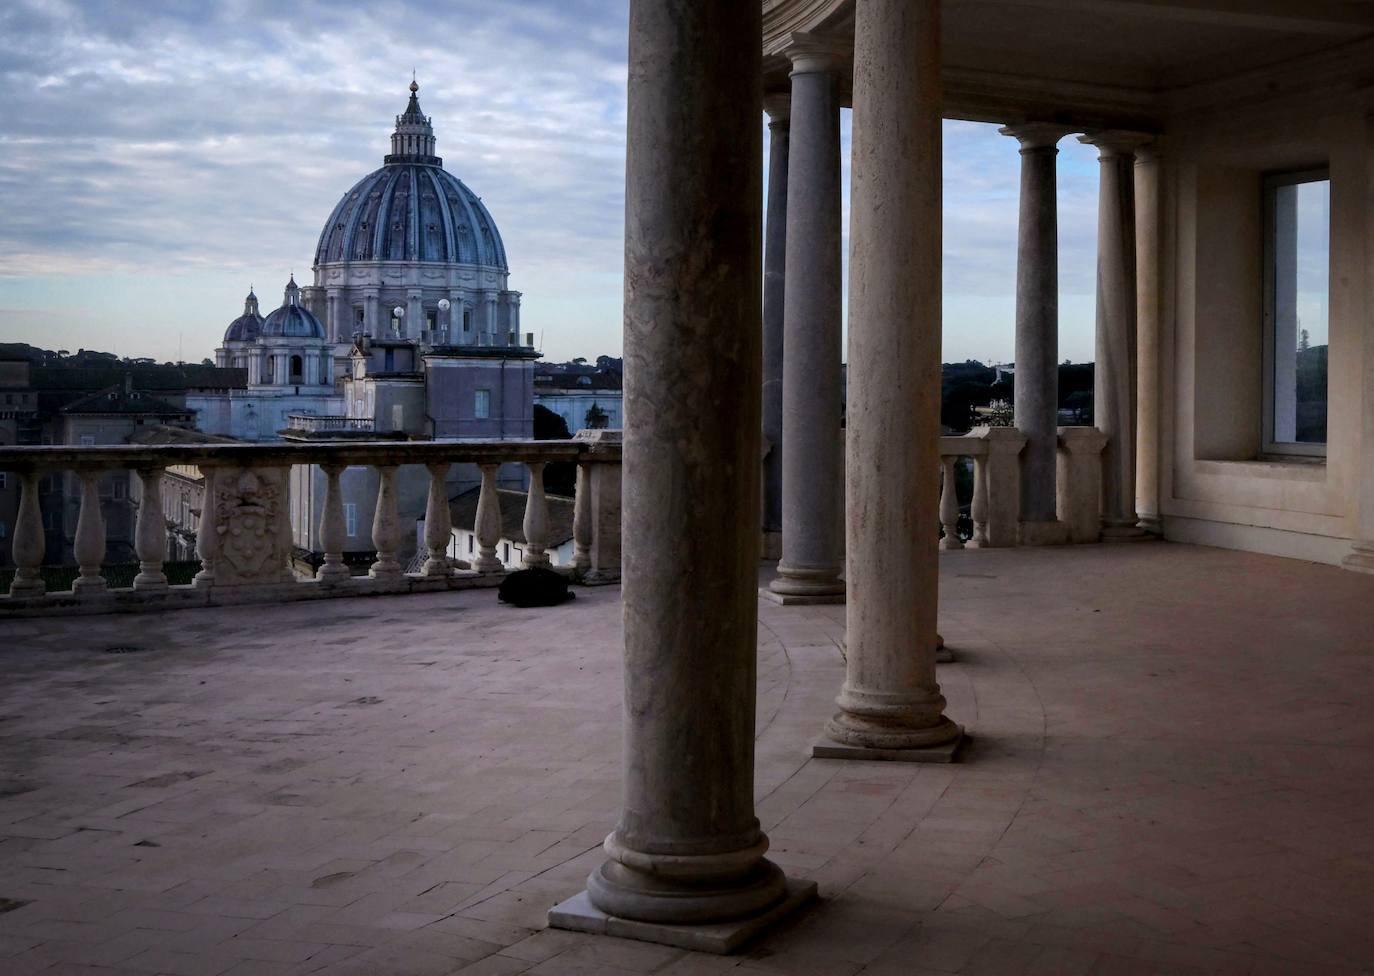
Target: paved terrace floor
1173,772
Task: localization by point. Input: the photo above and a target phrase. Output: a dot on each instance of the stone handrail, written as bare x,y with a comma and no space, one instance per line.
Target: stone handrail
316,422
996,504
244,540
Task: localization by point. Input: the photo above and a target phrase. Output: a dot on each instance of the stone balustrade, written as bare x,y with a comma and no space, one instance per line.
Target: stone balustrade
995,508
315,423
245,540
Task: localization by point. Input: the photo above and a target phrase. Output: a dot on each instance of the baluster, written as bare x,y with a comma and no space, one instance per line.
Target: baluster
582,519
385,526
89,546
438,521
488,527
536,518
333,529
979,511
949,505
28,544
150,533
207,532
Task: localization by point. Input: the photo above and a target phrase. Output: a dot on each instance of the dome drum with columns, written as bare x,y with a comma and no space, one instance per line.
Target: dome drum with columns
411,235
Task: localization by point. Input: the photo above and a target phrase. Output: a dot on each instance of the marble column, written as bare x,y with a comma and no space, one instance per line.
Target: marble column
1114,375
774,278
812,554
415,315
372,322
455,317
332,325
1148,349
687,856
890,706
1037,329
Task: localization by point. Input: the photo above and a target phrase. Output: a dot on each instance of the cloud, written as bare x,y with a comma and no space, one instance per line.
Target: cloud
183,149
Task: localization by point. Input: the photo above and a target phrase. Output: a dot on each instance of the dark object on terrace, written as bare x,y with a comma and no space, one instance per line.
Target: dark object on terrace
535,588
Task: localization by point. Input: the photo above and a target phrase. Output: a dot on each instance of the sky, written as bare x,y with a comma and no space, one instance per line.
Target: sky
159,156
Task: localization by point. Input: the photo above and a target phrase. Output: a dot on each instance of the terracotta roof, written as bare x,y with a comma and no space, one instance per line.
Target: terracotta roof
463,511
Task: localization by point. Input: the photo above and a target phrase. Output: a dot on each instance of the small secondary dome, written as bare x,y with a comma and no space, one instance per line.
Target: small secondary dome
248,326
293,319
411,209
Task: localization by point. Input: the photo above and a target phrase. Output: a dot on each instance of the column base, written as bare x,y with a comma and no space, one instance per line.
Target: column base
794,586
946,752
1048,533
801,599
1152,524
578,914
1125,533
1362,559
943,655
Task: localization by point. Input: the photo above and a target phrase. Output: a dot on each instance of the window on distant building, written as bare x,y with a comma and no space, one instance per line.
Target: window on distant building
87,440
467,320
297,368
482,405
351,518
507,552
1297,273
120,487
431,320
4,479
469,542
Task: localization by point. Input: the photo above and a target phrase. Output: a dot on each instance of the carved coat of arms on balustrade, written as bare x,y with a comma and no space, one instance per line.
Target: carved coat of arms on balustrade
254,530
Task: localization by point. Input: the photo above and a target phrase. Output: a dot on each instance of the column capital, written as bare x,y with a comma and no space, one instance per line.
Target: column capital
1111,143
778,105
1037,135
1151,151
812,54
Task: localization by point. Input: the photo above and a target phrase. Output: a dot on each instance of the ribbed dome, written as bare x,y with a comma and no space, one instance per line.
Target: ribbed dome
411,212
293,319
411,209
247,326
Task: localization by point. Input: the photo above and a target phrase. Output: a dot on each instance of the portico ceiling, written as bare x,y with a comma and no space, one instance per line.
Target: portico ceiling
1117,62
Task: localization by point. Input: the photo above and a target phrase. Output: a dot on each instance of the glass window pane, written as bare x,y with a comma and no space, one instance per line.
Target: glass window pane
1301,256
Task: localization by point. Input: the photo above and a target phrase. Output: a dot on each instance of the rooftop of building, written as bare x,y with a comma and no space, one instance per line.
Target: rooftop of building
163,378
463,511
124,399
1169,773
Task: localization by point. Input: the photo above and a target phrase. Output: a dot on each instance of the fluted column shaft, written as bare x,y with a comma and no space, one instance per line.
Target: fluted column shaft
811,388
890,700
774,290
1114,375
688,848
1037,323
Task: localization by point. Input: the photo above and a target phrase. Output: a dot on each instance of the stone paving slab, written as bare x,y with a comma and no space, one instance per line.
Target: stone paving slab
1170,770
